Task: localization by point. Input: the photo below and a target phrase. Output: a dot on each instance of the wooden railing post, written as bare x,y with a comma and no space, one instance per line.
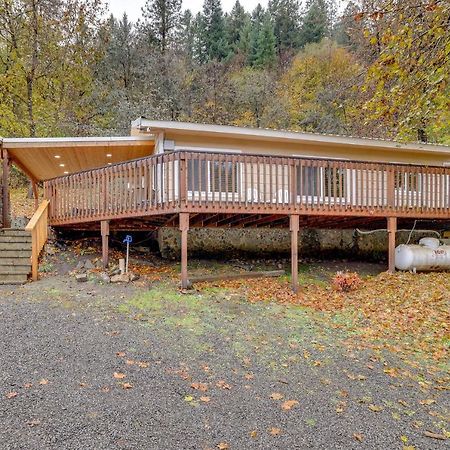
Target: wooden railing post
390,187
183,179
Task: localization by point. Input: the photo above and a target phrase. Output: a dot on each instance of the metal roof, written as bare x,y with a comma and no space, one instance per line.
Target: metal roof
284,135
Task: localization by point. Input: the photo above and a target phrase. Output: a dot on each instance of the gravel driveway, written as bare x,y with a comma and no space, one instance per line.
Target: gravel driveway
106,367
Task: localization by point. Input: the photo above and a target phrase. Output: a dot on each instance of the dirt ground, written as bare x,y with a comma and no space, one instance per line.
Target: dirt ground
144,365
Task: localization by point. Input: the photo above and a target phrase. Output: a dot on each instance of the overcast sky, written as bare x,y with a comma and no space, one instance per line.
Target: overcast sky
133,7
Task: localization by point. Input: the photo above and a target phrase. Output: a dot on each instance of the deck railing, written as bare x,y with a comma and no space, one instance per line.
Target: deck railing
197,181
38,226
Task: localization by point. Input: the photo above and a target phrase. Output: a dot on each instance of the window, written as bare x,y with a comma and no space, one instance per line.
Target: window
321,182
222,174
213,176
197,175
408,181
308,181
334,182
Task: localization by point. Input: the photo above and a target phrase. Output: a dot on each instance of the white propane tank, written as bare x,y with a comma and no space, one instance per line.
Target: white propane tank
427,256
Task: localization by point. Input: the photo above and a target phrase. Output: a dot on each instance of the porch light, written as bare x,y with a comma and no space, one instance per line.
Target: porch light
109,155
62,165
57,156
65,173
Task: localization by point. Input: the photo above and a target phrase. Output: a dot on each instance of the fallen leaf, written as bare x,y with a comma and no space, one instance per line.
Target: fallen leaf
33,423
358,436
249,376
120,354
275,431
276,396
223,446
205,399
375,408
253,434
427,402
127,385
199,387
11,395
188,398
143,364
28,385
119,376
289,404
43,382
221,384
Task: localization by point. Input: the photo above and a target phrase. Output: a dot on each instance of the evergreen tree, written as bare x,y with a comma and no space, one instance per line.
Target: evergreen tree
256,26
245,38
266,45
285,16
186,35
213,34
161,18
316,22
235,23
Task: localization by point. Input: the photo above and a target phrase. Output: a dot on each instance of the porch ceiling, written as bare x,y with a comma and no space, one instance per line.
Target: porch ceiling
43,159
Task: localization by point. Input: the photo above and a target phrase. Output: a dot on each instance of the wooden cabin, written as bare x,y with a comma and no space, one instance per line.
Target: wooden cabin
195,175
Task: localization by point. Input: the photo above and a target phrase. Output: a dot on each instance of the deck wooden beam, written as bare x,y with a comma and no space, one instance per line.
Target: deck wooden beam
104,227
294,226
392,231
184,228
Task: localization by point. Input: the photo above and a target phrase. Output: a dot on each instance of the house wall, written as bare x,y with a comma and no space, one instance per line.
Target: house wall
311,149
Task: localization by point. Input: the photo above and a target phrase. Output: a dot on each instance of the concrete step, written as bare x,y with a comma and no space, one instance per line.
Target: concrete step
13,278
15,246
5,239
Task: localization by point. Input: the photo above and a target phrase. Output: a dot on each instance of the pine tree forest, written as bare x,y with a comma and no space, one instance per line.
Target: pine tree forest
373,68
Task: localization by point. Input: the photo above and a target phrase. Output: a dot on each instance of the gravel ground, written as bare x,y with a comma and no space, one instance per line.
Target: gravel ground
62,342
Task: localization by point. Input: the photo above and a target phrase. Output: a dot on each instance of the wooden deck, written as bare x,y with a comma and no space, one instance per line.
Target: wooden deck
217,183
189,188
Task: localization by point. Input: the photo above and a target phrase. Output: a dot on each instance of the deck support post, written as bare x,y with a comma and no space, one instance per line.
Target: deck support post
104,227
294,220
5,196
392,230
184,228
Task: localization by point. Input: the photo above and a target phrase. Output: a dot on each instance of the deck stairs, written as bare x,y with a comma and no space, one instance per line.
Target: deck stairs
15,256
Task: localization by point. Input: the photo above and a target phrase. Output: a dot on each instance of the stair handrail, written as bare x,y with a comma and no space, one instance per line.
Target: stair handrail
38,226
